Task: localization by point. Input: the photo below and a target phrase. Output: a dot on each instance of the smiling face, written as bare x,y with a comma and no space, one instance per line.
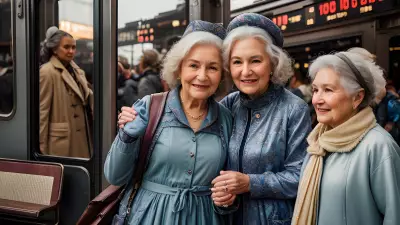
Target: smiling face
250,66
201,71
332,103
66,50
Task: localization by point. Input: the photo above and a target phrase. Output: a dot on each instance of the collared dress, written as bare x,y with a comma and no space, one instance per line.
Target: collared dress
268,143
176,184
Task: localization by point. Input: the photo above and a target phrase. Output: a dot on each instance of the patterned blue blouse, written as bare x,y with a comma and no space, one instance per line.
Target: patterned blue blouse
268,143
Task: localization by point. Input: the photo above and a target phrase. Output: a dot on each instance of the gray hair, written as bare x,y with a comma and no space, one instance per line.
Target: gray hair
281,62
371,73
51,43
363,52
173,59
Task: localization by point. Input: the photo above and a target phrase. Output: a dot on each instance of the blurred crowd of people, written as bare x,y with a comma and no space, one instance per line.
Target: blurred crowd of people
135,82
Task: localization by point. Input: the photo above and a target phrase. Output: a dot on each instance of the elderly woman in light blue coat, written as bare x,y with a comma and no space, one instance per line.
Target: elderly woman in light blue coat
191,141
351,174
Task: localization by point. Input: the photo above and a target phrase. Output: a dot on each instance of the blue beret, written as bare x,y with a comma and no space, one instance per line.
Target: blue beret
200,25
257,20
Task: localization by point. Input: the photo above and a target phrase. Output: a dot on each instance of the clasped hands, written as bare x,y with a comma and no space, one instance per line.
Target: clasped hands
227,186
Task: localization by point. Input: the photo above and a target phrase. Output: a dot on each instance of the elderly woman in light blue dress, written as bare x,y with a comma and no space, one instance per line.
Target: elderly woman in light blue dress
351,174
191,141
268,142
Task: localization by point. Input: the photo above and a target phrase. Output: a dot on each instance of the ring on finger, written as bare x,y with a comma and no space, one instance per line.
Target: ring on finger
225,206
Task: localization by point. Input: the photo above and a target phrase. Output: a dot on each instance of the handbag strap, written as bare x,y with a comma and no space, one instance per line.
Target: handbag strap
157,103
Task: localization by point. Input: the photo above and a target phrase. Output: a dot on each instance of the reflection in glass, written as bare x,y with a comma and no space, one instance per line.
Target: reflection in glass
66,96
6,60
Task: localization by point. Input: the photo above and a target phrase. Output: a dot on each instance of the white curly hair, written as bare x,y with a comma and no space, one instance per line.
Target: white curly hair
173,59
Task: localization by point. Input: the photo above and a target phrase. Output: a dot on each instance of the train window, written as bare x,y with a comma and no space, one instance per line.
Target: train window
65,83
394,60
146,29
6,60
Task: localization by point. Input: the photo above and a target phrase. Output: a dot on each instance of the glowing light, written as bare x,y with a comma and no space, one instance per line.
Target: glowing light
175,23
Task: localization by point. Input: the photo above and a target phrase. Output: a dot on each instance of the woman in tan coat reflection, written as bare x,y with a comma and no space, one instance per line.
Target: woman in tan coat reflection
65,99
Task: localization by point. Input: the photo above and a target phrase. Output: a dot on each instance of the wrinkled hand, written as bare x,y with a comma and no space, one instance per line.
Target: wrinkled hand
127,115
231,182
222,198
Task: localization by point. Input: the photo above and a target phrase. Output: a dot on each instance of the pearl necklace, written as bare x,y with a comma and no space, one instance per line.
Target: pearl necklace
195,118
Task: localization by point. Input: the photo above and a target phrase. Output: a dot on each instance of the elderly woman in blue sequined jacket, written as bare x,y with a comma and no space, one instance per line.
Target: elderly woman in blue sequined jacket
190,144
271,124
270,127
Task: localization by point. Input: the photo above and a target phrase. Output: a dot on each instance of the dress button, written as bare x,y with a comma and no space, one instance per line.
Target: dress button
75,116
194,139
191,154
258,115
189,172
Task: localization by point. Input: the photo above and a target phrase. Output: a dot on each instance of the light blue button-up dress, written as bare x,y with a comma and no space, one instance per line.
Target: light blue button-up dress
176,184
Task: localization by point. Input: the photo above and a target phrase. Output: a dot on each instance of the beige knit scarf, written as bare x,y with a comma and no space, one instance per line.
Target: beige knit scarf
342,138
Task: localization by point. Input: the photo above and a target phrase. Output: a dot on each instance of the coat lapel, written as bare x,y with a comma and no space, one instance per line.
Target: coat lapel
80,75
67,77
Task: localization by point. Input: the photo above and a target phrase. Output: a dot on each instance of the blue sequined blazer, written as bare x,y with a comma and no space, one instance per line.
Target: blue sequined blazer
268,143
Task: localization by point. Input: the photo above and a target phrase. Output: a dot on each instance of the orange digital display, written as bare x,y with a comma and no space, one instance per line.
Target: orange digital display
330,11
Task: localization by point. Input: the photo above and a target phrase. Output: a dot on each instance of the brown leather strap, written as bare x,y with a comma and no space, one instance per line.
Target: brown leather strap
157,103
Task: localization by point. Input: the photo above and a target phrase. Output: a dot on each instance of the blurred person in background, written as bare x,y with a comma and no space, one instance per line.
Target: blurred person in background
66,102
127,86
300,85
149,69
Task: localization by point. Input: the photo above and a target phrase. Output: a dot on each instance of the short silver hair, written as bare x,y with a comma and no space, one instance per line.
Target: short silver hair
173,59
281,62
371,73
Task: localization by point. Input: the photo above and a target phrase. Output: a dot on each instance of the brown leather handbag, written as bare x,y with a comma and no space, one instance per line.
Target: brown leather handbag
102,209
